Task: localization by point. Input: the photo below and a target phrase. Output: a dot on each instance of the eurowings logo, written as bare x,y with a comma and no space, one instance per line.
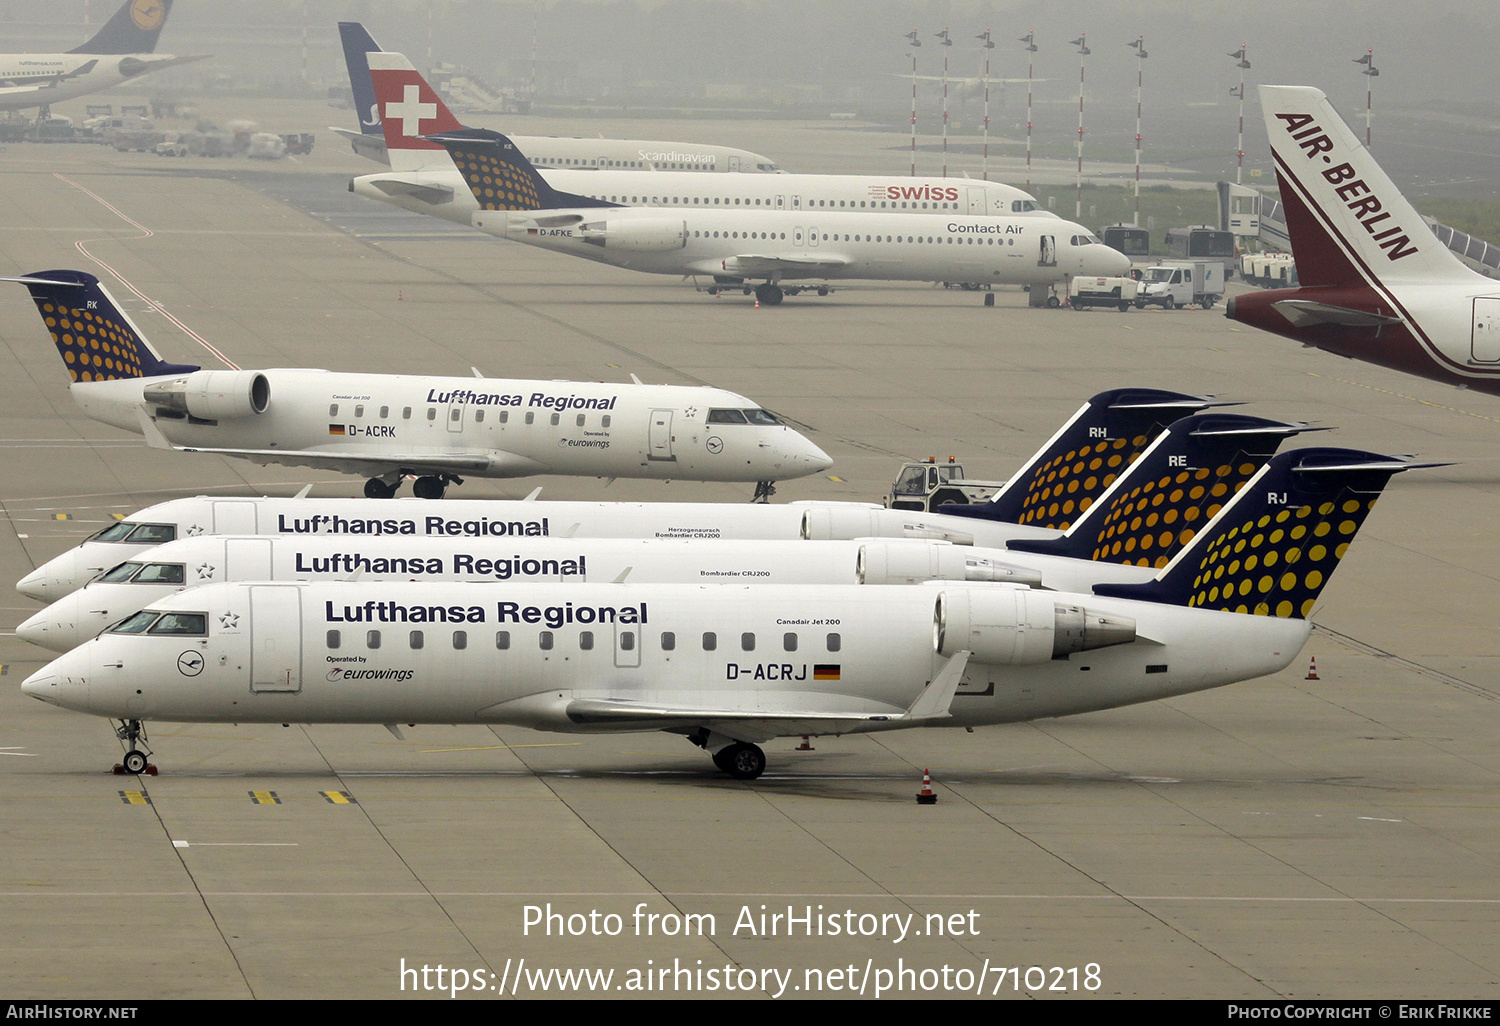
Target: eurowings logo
338,673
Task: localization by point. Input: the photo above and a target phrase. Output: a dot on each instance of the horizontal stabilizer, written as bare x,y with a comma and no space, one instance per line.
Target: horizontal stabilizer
1306,312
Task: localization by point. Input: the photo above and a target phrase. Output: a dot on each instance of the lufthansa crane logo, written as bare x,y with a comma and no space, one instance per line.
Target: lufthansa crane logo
715,444
147,14
190,664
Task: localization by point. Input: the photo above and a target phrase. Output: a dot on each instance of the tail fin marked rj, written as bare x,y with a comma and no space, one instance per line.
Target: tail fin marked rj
1274,547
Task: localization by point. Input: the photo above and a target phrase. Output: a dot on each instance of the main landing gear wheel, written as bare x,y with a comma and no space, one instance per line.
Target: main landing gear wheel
434,486
764,490
768,294
375,488
741,761
135,762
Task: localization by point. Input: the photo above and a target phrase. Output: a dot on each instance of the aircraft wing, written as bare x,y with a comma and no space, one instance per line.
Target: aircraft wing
753,716
756,264
366,463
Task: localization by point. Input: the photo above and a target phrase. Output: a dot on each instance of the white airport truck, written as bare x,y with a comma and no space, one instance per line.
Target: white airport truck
1119,293
928,484
1174,284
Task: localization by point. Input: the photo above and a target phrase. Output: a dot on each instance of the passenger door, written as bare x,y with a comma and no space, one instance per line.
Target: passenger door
661,436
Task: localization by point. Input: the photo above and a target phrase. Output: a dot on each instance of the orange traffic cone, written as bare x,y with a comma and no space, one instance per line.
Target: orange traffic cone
925,796
1312,670
805,746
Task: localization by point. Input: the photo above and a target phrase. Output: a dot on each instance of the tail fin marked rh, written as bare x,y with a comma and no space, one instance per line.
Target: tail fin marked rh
1079,463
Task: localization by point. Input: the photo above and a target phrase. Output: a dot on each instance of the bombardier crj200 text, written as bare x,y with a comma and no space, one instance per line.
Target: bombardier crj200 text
730,667
387,427
735,231
119,52
1376,283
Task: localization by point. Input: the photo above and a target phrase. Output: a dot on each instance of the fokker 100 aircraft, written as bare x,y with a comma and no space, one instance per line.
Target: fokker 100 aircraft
119,52
543,150
944,230
1376,284
732,667
1065,476
387,427
423,178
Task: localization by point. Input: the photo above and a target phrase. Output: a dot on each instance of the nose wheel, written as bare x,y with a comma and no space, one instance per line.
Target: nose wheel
135,762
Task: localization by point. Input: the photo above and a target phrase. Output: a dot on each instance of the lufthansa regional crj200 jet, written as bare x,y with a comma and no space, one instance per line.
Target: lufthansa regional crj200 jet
1376,284
387,427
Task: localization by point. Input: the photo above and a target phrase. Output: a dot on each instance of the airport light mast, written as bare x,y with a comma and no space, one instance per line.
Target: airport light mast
1139,46
1239,172
1030,49
1083,51
946,41
1370,71
987,44
911,37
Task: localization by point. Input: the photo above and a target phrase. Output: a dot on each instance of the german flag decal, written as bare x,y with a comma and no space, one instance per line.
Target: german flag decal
826,671
336,429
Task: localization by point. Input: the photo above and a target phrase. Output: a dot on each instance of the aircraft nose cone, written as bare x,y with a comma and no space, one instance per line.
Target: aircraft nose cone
53,579
55,627
41,684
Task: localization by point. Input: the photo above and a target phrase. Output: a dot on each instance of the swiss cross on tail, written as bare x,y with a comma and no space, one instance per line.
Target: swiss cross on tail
409,107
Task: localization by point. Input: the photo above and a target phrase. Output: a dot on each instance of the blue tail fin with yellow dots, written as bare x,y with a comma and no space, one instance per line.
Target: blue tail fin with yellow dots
1176,487
501,177
1081,461
97,340
1273,547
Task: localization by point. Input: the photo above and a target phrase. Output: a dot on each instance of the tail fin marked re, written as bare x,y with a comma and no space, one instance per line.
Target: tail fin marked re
96,339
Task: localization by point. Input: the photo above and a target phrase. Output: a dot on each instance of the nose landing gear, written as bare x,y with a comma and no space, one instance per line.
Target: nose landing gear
764,490
136,762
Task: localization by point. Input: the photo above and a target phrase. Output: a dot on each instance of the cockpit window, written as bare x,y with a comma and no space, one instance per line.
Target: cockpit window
751,416
1022,206
726,417
181,623
120,574
161,573
153,534
761,417
136,624
114,532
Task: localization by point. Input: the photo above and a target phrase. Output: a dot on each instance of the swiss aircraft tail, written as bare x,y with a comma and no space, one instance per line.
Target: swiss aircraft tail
1167,496
357,43
96,339
1348,223
409,109
501,177
1081,461
134,29
1272,549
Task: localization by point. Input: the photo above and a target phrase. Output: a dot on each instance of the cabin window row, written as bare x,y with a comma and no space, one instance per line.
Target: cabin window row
836,237
765,203
456,413
547,640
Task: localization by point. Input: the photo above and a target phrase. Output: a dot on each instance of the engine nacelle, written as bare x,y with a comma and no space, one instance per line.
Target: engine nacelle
639,235
1020,627
844,523
912,562
213,395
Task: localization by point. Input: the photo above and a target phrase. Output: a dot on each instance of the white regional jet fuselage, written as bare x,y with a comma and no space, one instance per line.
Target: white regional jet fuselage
442,192
490,519
209,559
788,245
750,663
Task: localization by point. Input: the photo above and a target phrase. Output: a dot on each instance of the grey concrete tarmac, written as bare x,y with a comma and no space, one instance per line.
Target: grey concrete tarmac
1279,838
